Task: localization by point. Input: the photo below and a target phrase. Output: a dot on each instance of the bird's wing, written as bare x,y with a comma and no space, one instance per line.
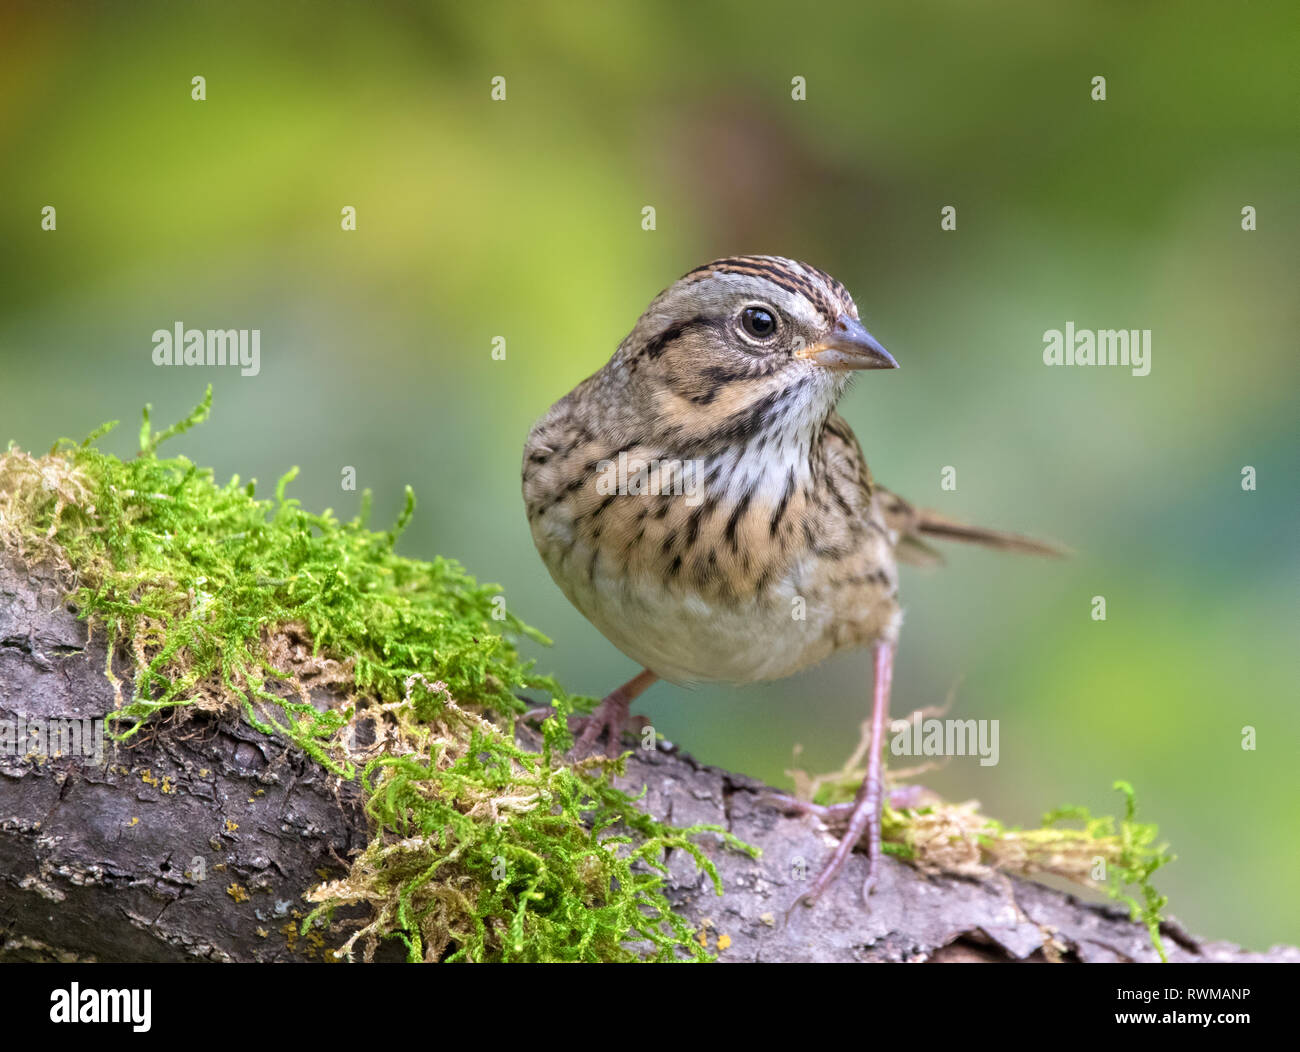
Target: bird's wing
914,526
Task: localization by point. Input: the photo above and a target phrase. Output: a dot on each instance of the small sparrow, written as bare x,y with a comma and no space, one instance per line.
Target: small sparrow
700,501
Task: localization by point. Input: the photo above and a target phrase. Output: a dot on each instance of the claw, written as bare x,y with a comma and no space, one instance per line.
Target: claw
609,717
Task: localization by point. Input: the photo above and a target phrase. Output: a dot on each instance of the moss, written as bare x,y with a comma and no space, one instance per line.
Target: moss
481,849
228,603
1116,856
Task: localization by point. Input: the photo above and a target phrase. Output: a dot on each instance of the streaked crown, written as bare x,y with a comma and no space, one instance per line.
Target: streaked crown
828,297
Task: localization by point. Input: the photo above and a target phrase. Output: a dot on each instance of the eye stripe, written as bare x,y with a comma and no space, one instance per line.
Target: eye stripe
658,343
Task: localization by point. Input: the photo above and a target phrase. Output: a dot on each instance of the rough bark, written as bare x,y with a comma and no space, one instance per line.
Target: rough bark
103,862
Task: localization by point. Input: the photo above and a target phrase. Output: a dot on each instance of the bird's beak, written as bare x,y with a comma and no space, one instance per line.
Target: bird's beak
848,346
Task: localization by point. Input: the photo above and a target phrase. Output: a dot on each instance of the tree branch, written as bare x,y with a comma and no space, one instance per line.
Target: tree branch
198,839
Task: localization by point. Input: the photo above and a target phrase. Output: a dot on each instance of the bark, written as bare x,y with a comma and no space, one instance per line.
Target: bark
197,841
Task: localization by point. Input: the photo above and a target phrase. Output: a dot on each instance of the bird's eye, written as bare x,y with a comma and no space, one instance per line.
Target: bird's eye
758,323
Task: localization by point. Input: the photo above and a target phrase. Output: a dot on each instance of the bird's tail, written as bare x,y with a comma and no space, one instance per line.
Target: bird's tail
914,526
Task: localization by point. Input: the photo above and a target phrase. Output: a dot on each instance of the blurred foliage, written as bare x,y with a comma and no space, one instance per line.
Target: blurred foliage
521,219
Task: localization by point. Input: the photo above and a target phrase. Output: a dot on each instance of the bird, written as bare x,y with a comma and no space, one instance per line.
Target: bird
702,503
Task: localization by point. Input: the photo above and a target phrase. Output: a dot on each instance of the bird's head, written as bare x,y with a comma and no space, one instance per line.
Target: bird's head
742,345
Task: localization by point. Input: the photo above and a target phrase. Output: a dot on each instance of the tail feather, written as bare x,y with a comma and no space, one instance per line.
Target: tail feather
915,525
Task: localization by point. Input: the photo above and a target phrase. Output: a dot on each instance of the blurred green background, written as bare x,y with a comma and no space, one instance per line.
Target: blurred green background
522,219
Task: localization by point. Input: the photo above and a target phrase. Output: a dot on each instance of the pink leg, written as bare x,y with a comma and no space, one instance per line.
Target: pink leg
865,816
611,715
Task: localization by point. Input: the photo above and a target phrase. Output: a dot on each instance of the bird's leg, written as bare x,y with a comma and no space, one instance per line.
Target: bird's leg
611,715
865,815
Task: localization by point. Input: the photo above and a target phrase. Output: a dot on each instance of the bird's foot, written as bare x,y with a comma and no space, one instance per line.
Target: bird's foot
863,818
864,813
900,798
610,718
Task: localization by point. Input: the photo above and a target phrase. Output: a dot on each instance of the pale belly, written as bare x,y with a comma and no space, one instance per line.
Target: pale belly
685,638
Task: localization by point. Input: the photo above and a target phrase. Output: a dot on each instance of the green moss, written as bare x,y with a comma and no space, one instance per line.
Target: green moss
474,815
1118,857
1133,854
481,850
